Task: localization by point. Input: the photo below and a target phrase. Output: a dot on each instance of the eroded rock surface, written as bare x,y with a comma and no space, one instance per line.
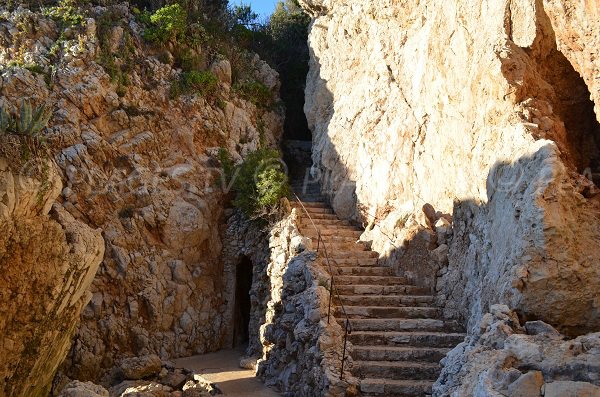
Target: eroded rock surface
512,360
482,111
141,165
48,260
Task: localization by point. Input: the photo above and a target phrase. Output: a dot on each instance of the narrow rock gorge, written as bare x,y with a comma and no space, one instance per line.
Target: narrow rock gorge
438,236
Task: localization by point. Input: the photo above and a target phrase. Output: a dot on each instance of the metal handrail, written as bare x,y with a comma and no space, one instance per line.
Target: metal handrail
332,287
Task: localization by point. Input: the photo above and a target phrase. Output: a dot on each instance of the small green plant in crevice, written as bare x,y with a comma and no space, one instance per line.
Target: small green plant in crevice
35,68
259,182
255,92
118,65
29,121
205,84
226,164
324,282
126,212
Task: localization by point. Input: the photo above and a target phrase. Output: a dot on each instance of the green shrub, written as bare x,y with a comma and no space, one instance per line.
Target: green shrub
255,92
204,83
259,183
165,24
66,12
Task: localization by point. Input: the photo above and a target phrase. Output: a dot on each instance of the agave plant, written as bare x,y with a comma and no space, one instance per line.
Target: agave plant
32,121
6,121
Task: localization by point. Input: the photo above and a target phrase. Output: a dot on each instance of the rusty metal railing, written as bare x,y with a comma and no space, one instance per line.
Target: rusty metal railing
332,287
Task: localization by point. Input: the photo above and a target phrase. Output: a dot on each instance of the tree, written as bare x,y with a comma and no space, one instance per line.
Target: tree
288,29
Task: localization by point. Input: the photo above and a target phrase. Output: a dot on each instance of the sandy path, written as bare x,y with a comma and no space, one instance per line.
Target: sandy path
223,369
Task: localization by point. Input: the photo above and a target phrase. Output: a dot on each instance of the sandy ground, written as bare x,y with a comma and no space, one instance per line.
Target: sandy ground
223,369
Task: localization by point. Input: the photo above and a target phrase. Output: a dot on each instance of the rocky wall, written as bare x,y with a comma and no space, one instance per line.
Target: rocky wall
484,111
291,346
510,359
48,260
140,164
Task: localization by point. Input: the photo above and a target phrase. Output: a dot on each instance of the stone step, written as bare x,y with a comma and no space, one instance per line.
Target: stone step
393,353
387,312
342,231
402,324
309,204
408,370
310,232
351,261
334,247
373,387
373,289
376,280
358,255
323,216
364,270
388,300
323,223
319,210
395,338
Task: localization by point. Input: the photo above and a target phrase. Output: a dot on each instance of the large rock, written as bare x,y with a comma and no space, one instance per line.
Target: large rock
48,260
83,389
483,111
504,360
136,368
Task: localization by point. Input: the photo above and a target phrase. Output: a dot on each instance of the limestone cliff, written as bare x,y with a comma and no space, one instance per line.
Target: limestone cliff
48,260
138,163
481,110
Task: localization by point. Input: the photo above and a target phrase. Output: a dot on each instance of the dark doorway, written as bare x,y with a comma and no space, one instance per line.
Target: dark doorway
241,318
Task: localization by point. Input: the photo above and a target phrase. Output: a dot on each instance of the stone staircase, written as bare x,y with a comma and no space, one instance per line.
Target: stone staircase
398,334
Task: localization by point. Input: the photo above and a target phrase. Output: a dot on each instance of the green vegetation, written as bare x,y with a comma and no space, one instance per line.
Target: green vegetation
259,183
118,65
167,23
255,92
29,122
66,12
287,50
205,84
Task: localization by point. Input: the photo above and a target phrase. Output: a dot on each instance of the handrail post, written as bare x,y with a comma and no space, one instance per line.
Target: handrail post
318,240
344,351
330,297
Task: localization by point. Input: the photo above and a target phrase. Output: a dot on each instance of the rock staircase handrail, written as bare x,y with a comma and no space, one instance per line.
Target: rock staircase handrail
332,286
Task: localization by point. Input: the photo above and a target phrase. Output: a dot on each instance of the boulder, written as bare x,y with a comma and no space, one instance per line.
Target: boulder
83,389
135,368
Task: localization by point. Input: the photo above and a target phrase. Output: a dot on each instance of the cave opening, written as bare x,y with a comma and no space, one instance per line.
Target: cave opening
575,107
242,307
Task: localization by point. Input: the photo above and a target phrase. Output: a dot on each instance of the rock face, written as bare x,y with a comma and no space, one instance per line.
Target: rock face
141,166
510,360
48,260
290,344
482,111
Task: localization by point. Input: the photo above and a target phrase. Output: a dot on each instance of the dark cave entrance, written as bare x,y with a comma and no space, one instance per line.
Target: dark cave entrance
241,314
576,109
